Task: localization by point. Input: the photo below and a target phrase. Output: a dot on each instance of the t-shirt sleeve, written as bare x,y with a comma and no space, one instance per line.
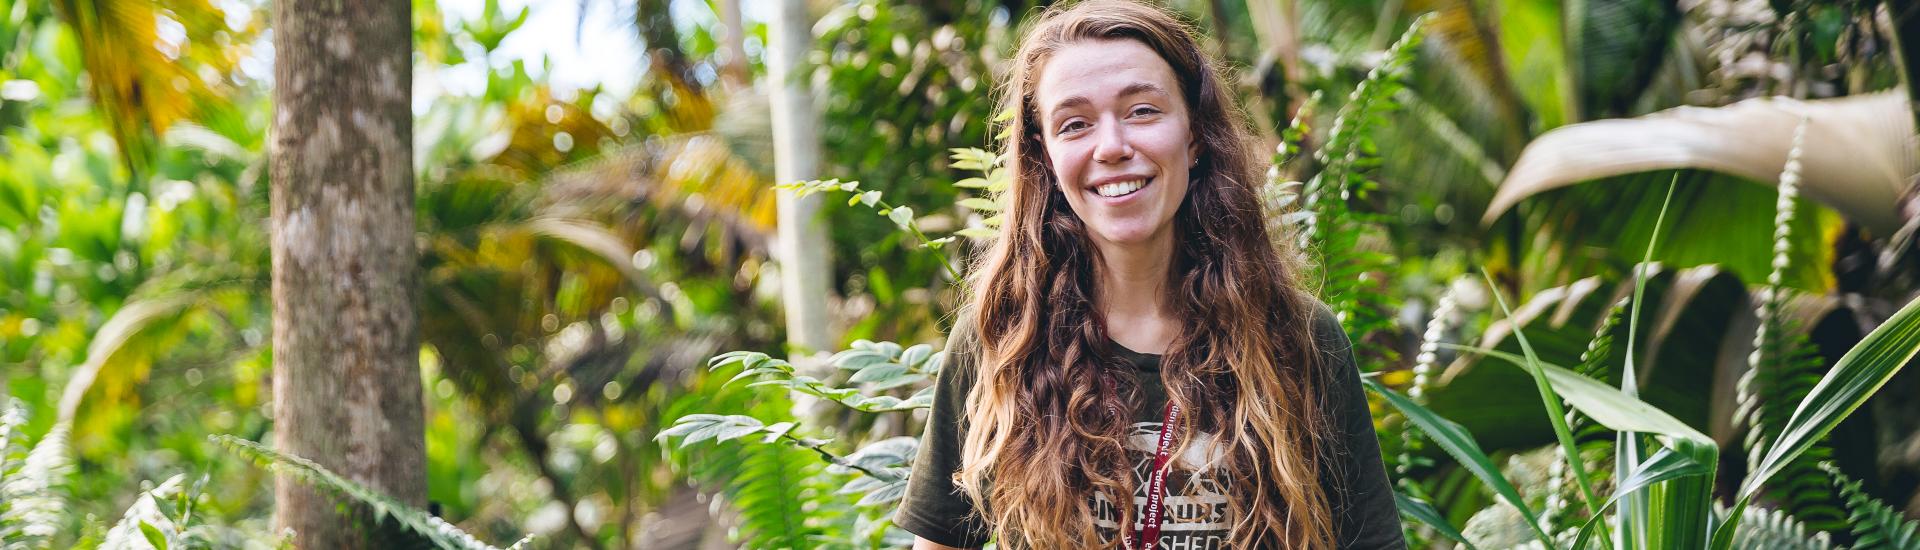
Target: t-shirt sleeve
933,508
1362,498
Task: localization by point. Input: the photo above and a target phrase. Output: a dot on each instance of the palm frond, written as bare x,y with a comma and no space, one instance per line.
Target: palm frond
1856,160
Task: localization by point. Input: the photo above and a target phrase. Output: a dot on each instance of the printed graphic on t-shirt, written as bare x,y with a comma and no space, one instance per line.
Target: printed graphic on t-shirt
1195,513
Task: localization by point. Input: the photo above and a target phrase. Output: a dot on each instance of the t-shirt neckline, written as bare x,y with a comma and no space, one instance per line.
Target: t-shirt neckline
1142,361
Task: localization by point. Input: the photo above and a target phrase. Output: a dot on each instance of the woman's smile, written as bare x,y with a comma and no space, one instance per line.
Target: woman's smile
1117,190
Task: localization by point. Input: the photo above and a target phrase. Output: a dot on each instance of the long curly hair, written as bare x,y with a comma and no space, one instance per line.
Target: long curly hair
1048,414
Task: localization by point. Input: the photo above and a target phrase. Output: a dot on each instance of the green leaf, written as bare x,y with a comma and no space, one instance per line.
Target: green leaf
976,233
912,357
858,358
686,425
879,402
877,373
901,216
1457,442
1662,466
971,183
776,430
1555,416
1607,405
887,494
980,204
154,537
1420,511
897,381
1615,409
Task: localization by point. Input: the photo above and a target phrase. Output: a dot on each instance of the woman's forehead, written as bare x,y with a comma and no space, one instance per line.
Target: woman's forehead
1101,70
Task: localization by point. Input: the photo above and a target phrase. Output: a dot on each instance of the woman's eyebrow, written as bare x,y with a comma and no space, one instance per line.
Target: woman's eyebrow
1140,87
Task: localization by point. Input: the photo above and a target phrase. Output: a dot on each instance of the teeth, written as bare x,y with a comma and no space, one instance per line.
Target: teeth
1120,188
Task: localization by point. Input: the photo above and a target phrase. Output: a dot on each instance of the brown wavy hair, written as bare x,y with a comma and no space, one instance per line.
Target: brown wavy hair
1048,414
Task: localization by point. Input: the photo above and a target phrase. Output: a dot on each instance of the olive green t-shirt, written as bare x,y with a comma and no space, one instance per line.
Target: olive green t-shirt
1195,514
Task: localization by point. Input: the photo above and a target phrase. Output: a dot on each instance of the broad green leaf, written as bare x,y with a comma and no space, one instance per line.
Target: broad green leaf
687,424
1607,405
902,380
902,216
154,536
913,356
877,373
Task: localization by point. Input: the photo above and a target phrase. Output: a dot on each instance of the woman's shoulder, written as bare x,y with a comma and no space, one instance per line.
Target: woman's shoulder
1327,330
961,354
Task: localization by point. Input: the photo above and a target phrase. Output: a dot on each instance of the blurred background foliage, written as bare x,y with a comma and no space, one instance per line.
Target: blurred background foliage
586,251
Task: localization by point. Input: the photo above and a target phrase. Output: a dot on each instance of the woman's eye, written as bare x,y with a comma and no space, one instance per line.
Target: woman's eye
1142,111
1071,126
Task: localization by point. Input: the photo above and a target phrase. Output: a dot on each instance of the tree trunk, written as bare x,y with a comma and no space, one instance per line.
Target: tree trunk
802,249
733,71
346,376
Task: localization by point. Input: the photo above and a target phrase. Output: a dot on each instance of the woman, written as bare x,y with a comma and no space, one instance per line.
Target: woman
1134,287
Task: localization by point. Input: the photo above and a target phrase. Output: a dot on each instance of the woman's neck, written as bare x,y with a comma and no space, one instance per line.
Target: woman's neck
1133,289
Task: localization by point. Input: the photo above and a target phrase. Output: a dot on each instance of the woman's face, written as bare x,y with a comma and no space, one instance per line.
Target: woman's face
1117,137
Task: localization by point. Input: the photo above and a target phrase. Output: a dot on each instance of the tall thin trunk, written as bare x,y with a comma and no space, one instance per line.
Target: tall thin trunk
734,71
802,248
346,375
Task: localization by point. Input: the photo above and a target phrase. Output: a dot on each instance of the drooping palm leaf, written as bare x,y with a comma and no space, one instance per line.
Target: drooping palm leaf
145,80
1857,159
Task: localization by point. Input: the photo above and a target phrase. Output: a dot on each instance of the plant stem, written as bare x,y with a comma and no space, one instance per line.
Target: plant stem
913,226
832,458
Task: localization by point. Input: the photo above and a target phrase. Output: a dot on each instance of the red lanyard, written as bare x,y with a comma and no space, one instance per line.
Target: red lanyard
1149,535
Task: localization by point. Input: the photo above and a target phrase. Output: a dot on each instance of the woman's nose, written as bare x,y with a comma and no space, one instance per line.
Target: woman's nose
1112,146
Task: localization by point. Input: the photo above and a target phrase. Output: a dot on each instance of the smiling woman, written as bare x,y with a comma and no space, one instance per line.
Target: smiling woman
1137,365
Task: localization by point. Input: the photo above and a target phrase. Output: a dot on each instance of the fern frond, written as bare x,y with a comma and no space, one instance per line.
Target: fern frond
1346,240
767,486
439,532
1783,367
1776,530
32,510
1874,524
11,419
1406,458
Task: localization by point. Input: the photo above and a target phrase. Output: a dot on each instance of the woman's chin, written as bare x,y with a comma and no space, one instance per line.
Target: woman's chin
1125,234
